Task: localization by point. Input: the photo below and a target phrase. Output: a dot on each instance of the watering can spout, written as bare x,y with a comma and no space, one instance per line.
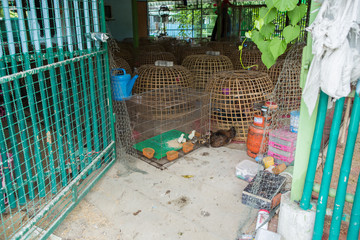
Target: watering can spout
131,84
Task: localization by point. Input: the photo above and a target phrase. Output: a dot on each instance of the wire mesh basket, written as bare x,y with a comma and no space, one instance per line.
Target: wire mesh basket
144,58
233,95
204,66
153,77
225,48
274,71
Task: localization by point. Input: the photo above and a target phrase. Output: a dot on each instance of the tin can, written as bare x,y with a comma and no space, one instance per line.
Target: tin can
263,215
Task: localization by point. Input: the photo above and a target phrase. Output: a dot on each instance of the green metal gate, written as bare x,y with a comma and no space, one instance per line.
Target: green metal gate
56,122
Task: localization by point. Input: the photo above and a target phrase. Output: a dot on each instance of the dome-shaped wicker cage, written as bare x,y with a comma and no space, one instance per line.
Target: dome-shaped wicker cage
251,58
151,48
225,48
150,58
194,51
121,63
233,95
153,77
204,66
125,54
274,71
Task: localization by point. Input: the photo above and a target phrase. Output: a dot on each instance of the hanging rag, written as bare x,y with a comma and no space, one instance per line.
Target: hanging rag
336,48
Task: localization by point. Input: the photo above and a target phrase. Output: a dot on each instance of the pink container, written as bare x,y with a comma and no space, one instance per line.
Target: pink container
282,139
288,159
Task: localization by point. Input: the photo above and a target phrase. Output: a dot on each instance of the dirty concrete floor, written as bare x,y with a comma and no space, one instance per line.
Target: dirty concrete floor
166,204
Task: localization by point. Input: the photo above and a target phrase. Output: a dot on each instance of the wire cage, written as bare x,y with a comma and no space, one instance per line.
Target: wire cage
204,66
233,95
159,118
144,58
56,136
153,77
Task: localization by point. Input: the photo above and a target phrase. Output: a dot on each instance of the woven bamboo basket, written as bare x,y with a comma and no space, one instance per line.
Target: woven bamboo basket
251,58
121,63
225,48
204,66
150,58
274,71
151,48
194,51
233,95
153,77
126,55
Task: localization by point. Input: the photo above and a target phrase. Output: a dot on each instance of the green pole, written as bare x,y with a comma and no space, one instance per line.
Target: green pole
345,168
306,123
327,171
353,230
314,153
135,23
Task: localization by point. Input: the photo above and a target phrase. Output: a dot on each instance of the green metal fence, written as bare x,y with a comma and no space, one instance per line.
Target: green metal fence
56,123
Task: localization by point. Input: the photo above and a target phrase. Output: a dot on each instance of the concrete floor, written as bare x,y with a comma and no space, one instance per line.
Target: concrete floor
165,204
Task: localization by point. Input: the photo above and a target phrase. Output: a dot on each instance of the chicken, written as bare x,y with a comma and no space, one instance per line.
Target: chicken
222,137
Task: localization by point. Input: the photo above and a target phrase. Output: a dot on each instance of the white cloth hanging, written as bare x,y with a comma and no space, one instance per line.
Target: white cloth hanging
336,49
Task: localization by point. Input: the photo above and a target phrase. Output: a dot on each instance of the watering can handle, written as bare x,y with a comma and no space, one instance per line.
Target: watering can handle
114,69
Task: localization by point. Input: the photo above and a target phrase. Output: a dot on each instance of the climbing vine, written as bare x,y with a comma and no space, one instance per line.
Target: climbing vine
261,34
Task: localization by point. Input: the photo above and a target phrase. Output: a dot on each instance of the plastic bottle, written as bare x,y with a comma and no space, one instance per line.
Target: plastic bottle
263,215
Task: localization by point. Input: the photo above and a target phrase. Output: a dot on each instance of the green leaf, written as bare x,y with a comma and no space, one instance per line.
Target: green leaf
267,59
285,5
291,32
267,14
257,37
269,3
263,46
297,14
259,23
267,30
240,47
277,47
248,34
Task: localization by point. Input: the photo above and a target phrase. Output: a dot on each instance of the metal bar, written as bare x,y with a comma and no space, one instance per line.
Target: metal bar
107,73
25,229
315,150
12,77
9,186
345,168
101,77
91,75
31,96
353,230
83,76
74,88
42,79
328,170
64,90
54,92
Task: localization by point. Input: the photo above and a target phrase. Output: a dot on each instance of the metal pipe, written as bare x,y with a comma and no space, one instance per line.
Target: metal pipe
107,74
64,89
315,150
345,168
328,170
101,77
353,230
8,109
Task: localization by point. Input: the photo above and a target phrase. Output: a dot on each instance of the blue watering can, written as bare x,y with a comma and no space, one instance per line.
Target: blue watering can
122,84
